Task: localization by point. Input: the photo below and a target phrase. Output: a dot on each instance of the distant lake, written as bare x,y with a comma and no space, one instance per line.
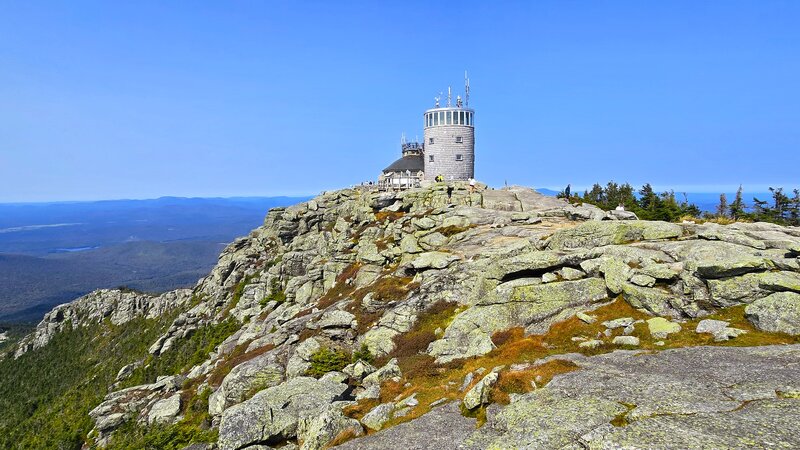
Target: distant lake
73,249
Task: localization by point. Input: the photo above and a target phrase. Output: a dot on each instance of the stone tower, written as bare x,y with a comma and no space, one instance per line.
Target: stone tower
450,141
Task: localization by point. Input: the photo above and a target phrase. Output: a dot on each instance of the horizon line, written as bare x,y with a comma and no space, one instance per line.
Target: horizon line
679,189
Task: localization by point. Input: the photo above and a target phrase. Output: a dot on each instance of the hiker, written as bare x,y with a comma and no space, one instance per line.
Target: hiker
566,193
472,185
449,194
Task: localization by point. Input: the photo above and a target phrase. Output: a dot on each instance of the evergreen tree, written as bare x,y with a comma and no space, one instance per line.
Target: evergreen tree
761,211
737,207
781,204
722,208
794,211
595,196
647,198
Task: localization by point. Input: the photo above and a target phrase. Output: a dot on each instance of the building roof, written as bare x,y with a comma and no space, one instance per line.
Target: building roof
414,163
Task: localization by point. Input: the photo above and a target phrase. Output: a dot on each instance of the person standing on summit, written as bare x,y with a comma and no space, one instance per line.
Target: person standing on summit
566,192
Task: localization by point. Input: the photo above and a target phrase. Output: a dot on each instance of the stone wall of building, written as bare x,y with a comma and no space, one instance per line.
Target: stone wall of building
445,149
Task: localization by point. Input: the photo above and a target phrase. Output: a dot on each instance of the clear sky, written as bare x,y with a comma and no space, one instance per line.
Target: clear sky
137,99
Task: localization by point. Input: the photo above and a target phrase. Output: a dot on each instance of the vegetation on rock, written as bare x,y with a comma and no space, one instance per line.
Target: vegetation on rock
186,353
53,388
327,360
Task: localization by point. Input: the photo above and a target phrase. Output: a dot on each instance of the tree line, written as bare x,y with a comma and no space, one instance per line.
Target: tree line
648,204
782,209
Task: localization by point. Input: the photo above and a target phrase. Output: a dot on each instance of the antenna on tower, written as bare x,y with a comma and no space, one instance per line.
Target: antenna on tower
466,88
403,139
448,96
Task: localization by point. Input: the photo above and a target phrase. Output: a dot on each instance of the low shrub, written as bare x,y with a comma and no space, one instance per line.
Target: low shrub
276,293
326,360
363,354
452,230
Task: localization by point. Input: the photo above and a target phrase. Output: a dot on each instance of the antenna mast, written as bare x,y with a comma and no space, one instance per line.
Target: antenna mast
466,89
448,96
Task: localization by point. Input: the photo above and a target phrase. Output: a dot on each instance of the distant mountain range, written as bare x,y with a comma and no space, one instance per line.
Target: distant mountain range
51,253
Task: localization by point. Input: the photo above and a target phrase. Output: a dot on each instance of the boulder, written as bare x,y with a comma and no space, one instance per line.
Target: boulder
165,410
424,223
712,259
728,333
621,322
534,306
408,244
616,274
597,234
479,394
779,312
359,370
388,371
274,413
710,326
442,428
586,318
591,344
655,300
378,416
626,340
696,397
368,253
643,280
432,241
337,319
750,287
621,215
258,373
549,277
661,328
432,260
316,432
500,200
300,361
570,274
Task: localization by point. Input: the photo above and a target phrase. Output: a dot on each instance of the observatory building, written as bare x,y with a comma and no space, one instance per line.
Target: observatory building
447,149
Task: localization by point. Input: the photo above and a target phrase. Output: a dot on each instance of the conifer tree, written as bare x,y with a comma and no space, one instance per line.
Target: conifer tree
722,208
737,207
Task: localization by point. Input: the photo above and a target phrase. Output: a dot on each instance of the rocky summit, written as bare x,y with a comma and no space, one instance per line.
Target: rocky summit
435,319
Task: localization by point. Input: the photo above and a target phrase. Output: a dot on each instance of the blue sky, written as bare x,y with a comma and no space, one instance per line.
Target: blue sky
143,99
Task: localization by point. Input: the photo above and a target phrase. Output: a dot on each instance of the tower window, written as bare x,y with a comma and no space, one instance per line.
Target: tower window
461,118
459,157
430,141
459,140
430,158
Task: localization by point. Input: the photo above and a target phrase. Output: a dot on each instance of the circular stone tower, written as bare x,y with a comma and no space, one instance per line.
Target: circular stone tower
450,143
